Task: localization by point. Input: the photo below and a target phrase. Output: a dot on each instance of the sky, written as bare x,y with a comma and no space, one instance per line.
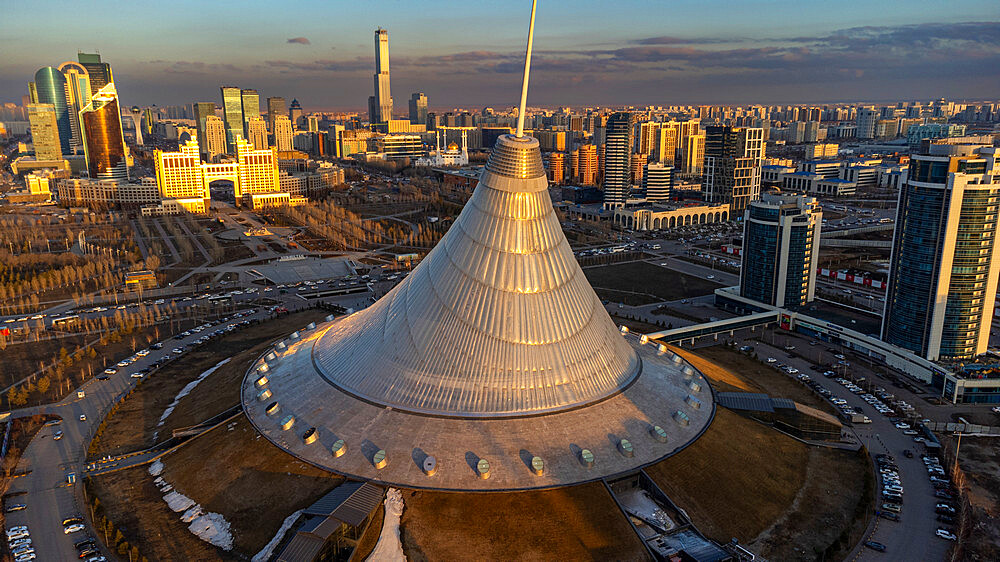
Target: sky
470,53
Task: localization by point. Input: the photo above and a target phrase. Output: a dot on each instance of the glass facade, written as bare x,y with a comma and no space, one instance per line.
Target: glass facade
102,129
617,159
778,239
50,87
232,114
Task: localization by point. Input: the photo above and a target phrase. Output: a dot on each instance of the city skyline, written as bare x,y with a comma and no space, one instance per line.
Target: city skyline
774,53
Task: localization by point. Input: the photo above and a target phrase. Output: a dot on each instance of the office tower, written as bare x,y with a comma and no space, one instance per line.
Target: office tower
282,133
636,164
944,267
275,107
232,114
666,143
418,108
98,72
50,88
866,122
104,143
202,111
250,104
215,137
732,166
257,133
617,151
312,124
77,97
179,174
44,131
258,170
295,113
380,105
780,249
658,182
556,166
693,155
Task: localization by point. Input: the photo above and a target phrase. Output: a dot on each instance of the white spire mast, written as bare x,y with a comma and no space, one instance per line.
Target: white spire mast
527,69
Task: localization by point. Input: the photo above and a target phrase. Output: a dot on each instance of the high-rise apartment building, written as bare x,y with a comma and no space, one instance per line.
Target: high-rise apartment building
637,162
50,88
232,115
282,133
257,133
617,159
556,167
944,267
98,72
202,111
380,105
693,155
658,182
104,142
583,164
77,97
215,137
275,107
781,250
647,135
44,131
666,144
418,108
250,104
867,121
732,172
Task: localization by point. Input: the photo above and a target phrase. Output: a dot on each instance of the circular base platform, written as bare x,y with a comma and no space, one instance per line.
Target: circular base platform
667,407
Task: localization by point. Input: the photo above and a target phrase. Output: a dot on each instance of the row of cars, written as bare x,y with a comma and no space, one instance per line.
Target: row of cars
892,495
19,543
944,492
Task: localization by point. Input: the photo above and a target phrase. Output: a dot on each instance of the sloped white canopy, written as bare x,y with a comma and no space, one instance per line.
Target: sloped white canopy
497,321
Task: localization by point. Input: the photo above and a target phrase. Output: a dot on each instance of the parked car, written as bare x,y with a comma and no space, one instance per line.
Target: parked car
946,534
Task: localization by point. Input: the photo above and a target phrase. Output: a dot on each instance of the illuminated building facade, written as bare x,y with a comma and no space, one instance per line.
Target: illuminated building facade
104,142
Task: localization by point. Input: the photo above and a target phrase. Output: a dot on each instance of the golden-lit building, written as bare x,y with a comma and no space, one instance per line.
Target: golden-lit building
104,142
215,136
694,154
258,170
179,174
636,164
583,165
282,133
257,133
556,167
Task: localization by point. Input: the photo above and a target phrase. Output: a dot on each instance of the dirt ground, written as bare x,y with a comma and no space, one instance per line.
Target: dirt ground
980,460
720,362
643,283
132,425
577,523
22,359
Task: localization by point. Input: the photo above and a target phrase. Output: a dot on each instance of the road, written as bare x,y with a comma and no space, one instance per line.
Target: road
50,461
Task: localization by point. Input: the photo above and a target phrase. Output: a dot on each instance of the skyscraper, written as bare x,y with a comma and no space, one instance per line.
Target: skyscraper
944,267
50,88
693,155
257,133
657,182
616,165
295,113
215,137
202,111
104,142
781,250
666,143
77,97
275,107
99,72
44,131
418,108
250,103
380,105
282,133
732,166
232,114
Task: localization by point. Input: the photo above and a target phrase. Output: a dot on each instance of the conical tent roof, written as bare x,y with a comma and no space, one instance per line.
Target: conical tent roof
497,321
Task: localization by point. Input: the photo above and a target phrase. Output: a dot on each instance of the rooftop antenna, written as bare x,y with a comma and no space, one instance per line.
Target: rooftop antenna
527,69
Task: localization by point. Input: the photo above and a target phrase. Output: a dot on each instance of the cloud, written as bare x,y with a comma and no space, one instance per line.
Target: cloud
299,41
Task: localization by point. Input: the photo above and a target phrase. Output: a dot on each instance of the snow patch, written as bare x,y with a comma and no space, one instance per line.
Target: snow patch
155,469
187,390
265,554
213,528
389,546
191,514
178,502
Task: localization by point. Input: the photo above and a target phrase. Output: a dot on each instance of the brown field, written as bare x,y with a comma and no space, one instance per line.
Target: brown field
578,523
980,460
132,425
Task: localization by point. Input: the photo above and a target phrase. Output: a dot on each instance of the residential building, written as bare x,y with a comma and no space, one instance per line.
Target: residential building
917,133
583,165
418,108
555,164
215,138
781,235
657,182
944,267
821,151
282,133
693,155
666,144
732,173
866,122
617,159
257,133
636,164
